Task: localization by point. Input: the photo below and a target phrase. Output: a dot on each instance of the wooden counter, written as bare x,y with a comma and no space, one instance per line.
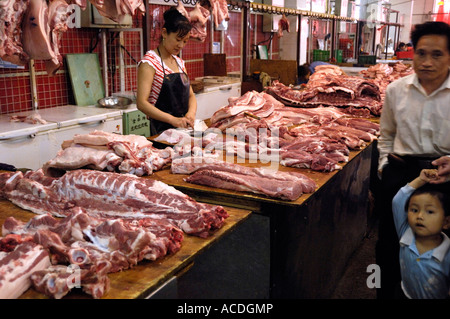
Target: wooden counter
311,238
247,200
147,276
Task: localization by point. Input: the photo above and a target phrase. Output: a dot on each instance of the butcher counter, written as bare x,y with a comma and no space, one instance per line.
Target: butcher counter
304,245
148,279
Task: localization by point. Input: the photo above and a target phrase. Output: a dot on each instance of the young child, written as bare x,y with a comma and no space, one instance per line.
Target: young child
421,212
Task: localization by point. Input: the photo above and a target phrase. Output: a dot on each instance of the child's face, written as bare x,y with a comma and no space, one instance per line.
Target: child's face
426,215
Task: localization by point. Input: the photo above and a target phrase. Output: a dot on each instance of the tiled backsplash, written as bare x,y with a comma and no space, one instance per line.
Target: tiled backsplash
16,86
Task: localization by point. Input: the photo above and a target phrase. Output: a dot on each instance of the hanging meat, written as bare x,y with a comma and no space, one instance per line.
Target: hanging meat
81,3
32,29
11,15
181,8
199,17
36,31
57,16
116,10
219,10
43,26
283,25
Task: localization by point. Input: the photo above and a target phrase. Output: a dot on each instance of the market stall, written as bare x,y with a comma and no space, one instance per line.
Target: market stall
268,246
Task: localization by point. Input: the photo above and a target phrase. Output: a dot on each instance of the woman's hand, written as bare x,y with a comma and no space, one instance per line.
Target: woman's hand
190,118
182,122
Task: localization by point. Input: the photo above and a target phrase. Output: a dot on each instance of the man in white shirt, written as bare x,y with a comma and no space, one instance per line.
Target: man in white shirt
415,134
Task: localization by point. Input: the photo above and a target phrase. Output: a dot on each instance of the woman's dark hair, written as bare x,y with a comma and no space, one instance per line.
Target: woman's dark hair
433,28
441,191
174,21
401,44
303,70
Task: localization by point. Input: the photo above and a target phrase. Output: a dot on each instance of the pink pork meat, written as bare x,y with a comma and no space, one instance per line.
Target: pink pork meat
16,267
104,194
93,247
220,174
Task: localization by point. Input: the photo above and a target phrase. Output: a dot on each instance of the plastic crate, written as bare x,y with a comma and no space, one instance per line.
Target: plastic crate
405,55
338,56
367,59
136,122
321,55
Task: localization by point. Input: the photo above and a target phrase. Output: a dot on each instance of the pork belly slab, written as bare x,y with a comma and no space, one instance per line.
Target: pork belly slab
17,263
99,150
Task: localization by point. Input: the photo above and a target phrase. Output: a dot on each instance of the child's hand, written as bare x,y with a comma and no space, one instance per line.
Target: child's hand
428,175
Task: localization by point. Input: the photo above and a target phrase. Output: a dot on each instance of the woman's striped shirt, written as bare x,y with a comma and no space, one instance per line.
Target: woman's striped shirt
154,60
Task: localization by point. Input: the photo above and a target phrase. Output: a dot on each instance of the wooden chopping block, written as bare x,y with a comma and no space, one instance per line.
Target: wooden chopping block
283,70
214,64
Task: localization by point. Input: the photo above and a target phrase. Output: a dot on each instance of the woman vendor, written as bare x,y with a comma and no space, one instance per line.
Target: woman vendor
164,92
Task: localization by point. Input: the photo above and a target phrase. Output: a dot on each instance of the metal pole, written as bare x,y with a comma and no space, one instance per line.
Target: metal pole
122,63
146,26
34,99
333,35
387,41
374,35
212,32
245,39
356,47
299,21
105,63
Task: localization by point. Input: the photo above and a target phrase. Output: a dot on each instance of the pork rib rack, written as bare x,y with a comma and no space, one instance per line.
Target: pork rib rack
103,194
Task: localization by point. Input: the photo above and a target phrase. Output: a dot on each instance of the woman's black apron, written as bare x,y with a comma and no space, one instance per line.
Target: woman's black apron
173,98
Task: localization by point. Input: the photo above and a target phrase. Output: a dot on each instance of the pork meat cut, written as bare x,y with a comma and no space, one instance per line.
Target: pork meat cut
100,150
19,259
105,194
11,47
219,11
198,18
93,247
221,174
117,10
332,90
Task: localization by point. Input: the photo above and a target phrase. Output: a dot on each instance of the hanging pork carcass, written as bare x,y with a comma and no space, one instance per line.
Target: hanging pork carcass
32,29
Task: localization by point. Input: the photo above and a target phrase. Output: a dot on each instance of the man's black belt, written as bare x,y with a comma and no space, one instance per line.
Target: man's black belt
411,161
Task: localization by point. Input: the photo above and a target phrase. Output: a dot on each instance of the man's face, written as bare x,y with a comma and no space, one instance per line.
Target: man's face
431,58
